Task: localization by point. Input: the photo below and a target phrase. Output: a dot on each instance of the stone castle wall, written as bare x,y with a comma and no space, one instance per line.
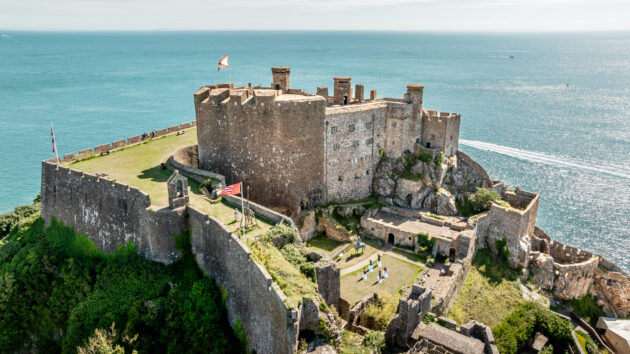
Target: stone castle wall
354,135
118,144
441,130
463,158
109,213
514,225
276,145
252,296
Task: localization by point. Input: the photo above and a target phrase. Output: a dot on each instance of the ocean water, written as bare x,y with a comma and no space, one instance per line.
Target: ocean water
554,119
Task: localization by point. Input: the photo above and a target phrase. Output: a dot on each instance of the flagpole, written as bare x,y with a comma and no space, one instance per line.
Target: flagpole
242,211
52,133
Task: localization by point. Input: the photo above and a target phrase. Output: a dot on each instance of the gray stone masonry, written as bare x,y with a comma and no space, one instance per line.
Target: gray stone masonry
329,281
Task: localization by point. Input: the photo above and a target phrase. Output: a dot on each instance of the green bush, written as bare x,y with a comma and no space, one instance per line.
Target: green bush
524,320
425,241
55,281
22,212
502,251
439,159
586,307
375,341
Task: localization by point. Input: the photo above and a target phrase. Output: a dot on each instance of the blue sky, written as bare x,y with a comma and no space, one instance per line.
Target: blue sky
398,15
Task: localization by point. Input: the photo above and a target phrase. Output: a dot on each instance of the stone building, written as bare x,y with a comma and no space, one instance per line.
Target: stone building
297,150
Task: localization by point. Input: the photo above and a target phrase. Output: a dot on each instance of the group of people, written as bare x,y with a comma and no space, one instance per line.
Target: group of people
370,268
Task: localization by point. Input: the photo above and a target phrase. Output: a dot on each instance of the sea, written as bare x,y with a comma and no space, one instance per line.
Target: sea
549,112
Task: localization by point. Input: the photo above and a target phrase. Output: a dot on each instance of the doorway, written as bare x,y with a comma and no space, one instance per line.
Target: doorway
390,239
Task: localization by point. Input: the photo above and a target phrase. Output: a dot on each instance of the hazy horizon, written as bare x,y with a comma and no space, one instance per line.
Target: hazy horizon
503,16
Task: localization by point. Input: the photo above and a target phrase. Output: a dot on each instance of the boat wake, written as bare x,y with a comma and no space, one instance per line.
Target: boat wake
538,157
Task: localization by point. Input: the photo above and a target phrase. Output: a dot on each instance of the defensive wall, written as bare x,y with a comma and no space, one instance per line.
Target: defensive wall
253,297
512,224
476,167
113,214
119,144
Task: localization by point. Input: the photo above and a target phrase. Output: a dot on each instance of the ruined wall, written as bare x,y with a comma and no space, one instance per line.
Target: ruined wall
514,225
375,228
234,133
354,135
252,296
573,280
333,229
477,172
109,213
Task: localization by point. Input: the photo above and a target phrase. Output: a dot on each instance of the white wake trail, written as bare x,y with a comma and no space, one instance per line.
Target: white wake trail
542,158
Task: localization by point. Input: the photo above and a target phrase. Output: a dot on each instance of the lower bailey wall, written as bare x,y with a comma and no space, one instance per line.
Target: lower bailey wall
252,296
109,213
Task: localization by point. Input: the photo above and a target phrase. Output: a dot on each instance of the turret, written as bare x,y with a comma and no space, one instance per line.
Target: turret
280,78
343,90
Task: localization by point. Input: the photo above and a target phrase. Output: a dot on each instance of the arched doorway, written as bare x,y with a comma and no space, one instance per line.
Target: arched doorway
452,254
390,239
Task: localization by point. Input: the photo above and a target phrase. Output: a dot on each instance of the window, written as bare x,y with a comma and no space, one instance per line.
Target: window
336,147
451,137
333,130
367,173
394,124
351,128
369,141
340,178
355,143
368,125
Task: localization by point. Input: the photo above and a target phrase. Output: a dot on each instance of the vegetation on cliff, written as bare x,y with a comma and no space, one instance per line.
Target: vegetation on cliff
57,289
479,202
524,321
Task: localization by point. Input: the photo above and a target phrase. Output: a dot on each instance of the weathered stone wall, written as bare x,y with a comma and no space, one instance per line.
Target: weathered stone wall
109,213
354,136
333,229
441,130
252,296
413,305
514,225
186,160
234,133
476,169
612,286
573,280
118,144
381,230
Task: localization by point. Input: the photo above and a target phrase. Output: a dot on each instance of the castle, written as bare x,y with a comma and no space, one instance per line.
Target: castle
300,150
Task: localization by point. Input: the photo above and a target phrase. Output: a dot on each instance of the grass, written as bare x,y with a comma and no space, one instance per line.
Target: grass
350,257
422,258
322,244
400,273
140,166
489,294
290,280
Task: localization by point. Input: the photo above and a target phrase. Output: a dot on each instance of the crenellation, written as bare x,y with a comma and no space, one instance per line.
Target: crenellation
69,157
174,128
160,132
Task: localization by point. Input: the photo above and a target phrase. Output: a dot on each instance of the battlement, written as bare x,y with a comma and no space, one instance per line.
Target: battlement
105,149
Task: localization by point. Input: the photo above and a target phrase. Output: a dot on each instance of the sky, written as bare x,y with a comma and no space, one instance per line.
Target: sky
393,15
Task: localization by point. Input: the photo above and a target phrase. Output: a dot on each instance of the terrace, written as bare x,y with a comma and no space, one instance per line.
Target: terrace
140,166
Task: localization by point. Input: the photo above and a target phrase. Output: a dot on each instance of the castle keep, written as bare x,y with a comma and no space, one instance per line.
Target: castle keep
299,150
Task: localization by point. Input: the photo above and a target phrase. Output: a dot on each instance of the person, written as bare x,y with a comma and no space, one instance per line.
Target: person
364,273
379,260
371,266
379,277
385,272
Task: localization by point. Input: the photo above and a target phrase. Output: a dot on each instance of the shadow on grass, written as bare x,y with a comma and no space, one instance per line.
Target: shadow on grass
155,174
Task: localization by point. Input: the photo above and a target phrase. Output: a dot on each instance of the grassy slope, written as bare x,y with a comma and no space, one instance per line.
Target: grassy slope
489,294
322,244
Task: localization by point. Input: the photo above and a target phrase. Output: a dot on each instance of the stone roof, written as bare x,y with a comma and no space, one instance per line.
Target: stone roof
452,340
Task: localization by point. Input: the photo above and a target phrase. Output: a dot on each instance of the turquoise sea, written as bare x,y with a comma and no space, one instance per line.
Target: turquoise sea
554,118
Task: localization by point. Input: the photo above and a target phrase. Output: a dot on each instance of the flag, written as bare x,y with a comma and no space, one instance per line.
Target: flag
223,63
233,189
52,133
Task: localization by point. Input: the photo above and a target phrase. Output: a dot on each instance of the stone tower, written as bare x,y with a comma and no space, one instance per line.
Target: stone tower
343,90
280,78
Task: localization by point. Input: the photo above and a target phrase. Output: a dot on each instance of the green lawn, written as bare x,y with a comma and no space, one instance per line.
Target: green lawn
491,291
322,244
139,166
400,273
350,257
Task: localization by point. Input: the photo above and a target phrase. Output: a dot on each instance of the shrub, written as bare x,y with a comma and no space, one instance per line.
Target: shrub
482,199
375,341
502,251
526,319
380,313
586,307
425,241
439,159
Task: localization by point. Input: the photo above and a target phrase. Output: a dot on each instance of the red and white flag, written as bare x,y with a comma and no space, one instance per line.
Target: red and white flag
223,63
233,189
